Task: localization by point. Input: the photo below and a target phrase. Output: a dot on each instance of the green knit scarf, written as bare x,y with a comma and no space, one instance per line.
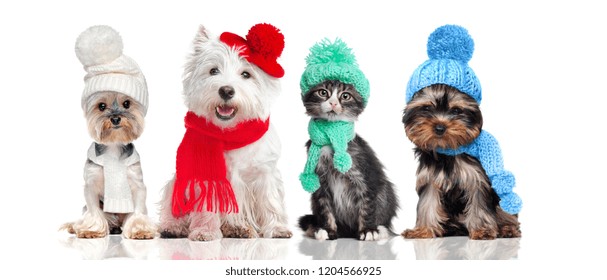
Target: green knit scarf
337,134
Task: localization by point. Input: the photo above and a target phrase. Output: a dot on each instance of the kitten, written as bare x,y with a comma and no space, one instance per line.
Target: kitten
361,202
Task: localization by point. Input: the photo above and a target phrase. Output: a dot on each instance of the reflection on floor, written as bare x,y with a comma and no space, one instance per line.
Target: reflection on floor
461,248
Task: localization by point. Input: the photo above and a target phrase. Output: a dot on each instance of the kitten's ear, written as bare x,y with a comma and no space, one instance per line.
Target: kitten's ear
202,37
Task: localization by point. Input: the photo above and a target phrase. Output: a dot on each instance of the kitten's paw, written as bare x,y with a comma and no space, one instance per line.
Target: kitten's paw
369,235
321,235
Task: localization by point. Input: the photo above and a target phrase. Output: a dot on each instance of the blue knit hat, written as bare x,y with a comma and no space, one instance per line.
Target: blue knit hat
450,47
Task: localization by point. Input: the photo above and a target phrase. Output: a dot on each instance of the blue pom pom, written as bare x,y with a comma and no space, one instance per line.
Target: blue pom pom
511,203
450,42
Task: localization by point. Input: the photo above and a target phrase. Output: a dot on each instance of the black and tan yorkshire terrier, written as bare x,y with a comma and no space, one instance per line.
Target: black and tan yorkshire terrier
115,101
462,186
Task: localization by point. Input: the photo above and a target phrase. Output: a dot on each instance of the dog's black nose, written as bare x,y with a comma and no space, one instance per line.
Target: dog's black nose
115,120
439,129
226,92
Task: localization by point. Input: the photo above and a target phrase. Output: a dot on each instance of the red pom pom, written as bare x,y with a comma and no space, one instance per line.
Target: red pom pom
266,40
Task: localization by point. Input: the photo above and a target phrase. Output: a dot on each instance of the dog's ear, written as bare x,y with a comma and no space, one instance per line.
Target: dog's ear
202,36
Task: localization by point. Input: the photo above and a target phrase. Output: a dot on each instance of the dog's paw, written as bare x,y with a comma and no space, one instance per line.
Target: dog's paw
418,233
69,227
203,235
483,234
281,232
173,229
509,231
90,234
230,231
139,227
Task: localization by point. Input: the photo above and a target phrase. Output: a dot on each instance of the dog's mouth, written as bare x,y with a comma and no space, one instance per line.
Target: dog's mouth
225,112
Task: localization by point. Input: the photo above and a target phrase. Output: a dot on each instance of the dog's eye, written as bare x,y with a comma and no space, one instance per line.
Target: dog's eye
322,93
456,111
246,75
427,108
126,104
214,71
101,106
345,96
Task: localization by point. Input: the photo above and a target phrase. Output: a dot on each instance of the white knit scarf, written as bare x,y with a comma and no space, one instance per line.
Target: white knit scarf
117,192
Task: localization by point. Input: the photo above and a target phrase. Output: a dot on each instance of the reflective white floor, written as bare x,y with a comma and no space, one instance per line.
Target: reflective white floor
298,247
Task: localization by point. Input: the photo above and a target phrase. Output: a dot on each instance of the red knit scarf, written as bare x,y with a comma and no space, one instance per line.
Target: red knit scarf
201,162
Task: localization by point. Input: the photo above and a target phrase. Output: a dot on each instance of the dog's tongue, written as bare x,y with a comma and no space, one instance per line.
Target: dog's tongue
225,110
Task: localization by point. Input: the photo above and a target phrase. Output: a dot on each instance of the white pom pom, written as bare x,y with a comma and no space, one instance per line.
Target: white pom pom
98,45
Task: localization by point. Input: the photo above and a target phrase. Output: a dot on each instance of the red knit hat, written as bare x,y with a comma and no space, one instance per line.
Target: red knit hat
262,47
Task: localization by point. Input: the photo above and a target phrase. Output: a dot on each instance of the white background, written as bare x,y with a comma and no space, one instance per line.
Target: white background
541,66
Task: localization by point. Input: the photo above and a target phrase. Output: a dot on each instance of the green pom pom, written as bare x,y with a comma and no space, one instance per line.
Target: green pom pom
310,182
342,162
331,52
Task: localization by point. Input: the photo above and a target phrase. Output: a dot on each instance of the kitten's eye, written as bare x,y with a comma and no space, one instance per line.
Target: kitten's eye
101,106
126,104
456,111
322,93
245,75
214,71
345,96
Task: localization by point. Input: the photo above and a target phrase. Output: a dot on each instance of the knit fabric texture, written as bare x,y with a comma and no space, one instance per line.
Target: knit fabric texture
449,48
486,149
337,135
201,172
117,197
333,61
99,49
262,46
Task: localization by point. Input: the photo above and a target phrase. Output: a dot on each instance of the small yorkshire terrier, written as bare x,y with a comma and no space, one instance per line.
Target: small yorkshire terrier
114,103
462,187
227,183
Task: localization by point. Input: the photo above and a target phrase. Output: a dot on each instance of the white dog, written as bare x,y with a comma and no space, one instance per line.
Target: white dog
115,102
227,183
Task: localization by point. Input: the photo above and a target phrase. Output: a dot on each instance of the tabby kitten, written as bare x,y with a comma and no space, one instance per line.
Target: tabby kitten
361,202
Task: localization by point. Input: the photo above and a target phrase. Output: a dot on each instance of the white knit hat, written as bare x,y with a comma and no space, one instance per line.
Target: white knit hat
99,49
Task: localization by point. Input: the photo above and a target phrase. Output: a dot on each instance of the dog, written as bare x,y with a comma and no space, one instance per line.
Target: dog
455,193
462,186
115,102
227,183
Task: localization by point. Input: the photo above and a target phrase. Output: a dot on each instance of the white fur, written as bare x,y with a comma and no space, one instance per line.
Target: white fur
95,222
252,169
321,235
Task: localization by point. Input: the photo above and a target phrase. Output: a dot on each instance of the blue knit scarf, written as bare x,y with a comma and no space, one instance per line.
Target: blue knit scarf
486,149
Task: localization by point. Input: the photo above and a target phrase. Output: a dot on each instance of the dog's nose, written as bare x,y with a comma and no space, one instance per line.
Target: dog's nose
115,120
226,92
439,129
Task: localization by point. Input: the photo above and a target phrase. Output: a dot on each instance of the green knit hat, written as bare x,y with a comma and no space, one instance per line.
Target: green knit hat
333,61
